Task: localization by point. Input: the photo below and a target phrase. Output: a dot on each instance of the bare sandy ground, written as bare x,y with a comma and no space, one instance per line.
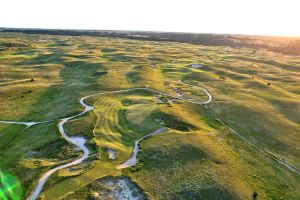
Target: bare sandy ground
133,160
79,142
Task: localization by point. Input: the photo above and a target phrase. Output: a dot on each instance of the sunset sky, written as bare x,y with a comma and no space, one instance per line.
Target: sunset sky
259,17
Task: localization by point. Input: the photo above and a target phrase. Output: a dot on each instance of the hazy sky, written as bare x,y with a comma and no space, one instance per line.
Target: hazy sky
263,17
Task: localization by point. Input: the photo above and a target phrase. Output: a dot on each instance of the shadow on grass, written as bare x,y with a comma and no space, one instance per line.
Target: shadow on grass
53,58
267,62
135,75
174,156
211,193
56,101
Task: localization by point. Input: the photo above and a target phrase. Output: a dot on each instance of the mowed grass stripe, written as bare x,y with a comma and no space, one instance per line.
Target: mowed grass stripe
113,128
105,130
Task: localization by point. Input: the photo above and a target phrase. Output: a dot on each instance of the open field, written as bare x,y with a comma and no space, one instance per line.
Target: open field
207,152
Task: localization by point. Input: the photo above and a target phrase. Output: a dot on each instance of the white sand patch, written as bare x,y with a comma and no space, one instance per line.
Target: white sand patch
118,189
159,100
112,154
197,66
133,160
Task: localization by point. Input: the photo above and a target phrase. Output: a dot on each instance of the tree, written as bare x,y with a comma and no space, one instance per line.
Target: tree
254,195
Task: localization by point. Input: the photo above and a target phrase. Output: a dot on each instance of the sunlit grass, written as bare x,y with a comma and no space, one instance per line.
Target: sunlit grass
256,94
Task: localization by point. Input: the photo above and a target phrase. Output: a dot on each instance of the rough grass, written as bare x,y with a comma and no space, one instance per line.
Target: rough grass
181,166
199,163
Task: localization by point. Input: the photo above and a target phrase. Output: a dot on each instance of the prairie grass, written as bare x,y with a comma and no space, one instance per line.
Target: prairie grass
256,94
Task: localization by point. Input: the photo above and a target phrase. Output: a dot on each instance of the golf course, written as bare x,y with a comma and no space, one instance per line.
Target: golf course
108,116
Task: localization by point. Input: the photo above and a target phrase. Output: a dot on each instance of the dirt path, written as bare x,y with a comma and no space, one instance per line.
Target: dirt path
255,146
281,162
80,141
77,141
210,98
133,160
27,124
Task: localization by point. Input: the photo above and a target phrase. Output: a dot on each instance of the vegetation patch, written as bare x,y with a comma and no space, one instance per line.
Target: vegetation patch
255,92
100,73
115,188
120,58
172,122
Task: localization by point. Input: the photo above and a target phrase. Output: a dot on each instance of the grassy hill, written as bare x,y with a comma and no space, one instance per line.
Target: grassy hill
256,93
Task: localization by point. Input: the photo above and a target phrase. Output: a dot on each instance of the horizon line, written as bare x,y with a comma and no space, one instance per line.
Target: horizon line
154,31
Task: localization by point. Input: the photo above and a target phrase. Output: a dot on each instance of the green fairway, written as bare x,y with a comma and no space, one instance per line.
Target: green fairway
121,123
